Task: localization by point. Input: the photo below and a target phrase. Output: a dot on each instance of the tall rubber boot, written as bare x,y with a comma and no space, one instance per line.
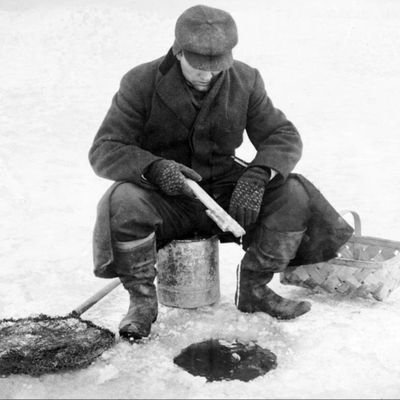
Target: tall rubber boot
257,269
135,265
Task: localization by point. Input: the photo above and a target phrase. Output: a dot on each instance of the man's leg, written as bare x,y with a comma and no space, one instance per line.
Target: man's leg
139,218
134,263
275,240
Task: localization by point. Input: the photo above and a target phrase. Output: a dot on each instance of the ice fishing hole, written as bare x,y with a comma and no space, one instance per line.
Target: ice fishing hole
218,359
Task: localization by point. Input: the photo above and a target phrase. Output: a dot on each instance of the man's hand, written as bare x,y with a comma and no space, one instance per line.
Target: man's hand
169,176
247,196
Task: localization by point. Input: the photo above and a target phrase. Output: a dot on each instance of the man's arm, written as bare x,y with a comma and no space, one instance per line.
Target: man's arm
115,153
277,141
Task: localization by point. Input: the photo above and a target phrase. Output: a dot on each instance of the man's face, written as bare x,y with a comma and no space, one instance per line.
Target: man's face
201,80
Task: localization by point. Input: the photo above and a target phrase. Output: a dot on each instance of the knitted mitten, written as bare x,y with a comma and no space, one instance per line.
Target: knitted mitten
169,176
247,196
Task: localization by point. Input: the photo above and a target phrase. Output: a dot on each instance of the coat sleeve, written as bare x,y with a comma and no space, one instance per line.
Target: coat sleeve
275,138
116,151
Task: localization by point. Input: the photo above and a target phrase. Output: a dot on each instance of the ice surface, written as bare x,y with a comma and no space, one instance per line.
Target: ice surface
332,67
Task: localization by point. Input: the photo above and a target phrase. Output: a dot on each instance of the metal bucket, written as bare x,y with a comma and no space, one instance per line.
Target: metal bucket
188,273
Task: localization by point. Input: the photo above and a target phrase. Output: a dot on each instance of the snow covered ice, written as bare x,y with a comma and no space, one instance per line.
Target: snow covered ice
332,67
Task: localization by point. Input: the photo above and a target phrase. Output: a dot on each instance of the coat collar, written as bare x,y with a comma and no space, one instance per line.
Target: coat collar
171,87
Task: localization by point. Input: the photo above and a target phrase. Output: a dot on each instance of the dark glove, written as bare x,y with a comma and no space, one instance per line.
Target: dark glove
169,176
247,196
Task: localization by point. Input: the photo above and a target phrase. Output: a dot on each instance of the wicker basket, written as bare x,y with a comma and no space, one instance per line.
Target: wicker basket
365,266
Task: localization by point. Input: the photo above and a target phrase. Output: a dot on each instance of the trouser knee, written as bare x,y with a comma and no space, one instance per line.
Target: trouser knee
132,215
286,208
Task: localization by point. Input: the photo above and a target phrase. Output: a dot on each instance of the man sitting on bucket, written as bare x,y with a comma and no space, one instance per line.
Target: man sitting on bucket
182,116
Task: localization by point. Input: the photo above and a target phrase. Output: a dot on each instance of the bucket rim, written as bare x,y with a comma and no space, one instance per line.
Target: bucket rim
196,239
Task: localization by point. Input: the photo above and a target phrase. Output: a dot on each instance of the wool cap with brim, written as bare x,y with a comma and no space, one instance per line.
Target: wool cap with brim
206,36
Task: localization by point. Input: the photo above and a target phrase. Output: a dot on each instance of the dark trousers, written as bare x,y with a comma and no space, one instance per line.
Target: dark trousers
136,212
128,212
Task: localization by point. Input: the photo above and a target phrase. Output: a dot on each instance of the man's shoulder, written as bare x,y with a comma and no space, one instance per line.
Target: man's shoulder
244,72
143,73
242,66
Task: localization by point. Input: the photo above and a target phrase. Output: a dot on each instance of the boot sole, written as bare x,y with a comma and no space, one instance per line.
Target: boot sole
251,310
134,336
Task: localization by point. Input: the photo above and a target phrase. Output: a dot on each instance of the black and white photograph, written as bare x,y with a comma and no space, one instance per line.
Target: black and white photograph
199,200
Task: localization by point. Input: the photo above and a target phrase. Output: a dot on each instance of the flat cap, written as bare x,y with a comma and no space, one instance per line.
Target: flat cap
207,36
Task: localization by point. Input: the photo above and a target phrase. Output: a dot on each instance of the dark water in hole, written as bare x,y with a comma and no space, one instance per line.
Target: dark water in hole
218,360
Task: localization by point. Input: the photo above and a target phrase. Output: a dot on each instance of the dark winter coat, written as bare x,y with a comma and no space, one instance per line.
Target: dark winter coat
152,116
